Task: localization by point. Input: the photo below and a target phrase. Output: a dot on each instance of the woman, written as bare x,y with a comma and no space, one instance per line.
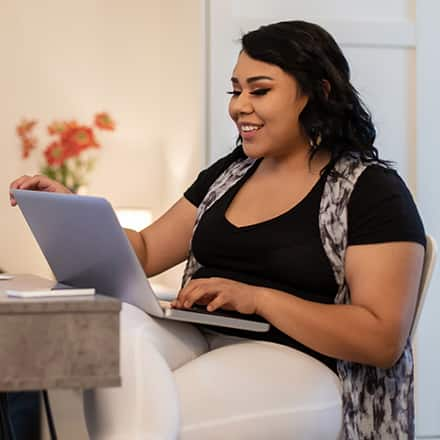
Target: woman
304,225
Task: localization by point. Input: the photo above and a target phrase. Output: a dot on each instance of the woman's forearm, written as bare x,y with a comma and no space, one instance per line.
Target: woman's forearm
346,332
138,244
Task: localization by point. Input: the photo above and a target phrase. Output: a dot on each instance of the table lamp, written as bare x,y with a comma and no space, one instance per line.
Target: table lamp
134,218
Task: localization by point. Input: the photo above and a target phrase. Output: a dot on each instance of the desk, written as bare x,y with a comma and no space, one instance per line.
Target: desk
57,342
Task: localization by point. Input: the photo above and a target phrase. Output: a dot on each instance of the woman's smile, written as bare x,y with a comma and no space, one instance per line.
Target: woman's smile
248,131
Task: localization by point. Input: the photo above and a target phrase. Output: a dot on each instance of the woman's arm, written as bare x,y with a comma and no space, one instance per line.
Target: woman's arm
373,329
165,243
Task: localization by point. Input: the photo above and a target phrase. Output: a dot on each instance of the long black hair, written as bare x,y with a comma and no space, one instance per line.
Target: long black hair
335,118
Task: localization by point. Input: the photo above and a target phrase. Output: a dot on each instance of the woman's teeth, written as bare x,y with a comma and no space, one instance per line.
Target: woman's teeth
250,128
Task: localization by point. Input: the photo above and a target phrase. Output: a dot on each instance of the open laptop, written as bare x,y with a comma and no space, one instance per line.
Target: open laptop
85,246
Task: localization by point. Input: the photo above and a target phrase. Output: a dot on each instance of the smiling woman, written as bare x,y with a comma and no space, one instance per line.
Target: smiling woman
305,206
302,224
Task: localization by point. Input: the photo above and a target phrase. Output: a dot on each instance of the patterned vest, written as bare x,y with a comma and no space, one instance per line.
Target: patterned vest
377,403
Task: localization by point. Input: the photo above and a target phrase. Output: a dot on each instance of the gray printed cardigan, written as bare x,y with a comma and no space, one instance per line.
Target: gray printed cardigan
377,403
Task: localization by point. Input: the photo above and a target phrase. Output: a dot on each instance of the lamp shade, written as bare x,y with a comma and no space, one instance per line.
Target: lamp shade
134,218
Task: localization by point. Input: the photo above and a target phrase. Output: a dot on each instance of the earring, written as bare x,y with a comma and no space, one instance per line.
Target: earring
314,144
318,140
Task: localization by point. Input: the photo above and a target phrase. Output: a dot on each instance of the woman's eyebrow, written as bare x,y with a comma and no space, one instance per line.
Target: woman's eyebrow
251,79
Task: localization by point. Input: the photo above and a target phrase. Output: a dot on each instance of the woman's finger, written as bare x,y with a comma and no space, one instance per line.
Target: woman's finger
182,294
16,185
218,302
205,300
199,290
40,183
29,182
194,295
185,291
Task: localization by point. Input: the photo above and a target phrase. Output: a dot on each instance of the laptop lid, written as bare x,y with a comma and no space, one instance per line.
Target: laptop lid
85,246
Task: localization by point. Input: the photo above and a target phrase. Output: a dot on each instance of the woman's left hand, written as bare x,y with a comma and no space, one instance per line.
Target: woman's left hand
219,293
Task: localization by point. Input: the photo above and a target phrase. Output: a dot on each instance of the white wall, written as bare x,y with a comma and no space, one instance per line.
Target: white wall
141,61
63,59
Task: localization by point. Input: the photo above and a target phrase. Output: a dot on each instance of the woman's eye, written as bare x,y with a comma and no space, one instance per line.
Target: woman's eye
256,92
260,92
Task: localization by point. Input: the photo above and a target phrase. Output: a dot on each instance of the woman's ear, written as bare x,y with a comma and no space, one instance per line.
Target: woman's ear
326,87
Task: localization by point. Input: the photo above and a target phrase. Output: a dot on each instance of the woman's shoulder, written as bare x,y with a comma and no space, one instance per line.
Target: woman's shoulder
368,175
382,208
380,175
196,192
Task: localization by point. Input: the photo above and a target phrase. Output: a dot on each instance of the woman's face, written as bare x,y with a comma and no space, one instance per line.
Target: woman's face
266,103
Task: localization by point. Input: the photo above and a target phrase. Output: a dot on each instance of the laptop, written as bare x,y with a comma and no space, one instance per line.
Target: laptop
85,246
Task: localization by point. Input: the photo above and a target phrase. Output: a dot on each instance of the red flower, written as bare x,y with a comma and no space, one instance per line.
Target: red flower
69,141
28,142
77,139
104,121
55,154
60,127
27,145
25,127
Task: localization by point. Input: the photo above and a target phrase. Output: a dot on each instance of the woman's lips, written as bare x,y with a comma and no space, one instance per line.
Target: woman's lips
248,135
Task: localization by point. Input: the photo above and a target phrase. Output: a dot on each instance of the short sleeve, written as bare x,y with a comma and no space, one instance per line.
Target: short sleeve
381,209
196,192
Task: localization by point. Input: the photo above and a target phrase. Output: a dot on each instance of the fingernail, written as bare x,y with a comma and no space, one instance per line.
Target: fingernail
187,304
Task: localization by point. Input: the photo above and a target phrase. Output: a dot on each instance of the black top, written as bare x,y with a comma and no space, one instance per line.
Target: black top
286,252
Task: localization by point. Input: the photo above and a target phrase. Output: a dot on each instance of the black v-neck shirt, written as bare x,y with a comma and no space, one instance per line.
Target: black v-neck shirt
285,252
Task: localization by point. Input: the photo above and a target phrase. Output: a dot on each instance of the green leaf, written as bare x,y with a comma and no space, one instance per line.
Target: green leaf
49,172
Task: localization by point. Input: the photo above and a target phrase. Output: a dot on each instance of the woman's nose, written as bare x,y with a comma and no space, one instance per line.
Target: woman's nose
242,104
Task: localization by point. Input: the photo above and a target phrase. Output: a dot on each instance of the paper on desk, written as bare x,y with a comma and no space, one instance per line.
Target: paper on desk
48,293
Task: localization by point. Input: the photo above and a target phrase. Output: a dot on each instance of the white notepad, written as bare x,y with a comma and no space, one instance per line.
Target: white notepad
48,293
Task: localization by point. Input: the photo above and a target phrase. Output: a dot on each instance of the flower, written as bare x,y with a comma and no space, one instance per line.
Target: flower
28,142
66,158
78,139
104,121
55,154
58,127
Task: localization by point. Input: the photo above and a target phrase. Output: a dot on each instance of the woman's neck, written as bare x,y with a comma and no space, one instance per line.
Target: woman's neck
298,161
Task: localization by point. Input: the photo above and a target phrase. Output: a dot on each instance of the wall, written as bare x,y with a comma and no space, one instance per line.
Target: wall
141,61
63,59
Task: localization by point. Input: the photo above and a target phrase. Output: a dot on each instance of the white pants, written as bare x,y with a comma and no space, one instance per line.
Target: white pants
181,383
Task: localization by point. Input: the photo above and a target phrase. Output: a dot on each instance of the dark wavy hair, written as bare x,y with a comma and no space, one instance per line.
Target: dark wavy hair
335,118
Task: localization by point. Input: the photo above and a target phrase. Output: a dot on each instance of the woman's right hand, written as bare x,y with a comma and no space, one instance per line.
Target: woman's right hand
36,183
